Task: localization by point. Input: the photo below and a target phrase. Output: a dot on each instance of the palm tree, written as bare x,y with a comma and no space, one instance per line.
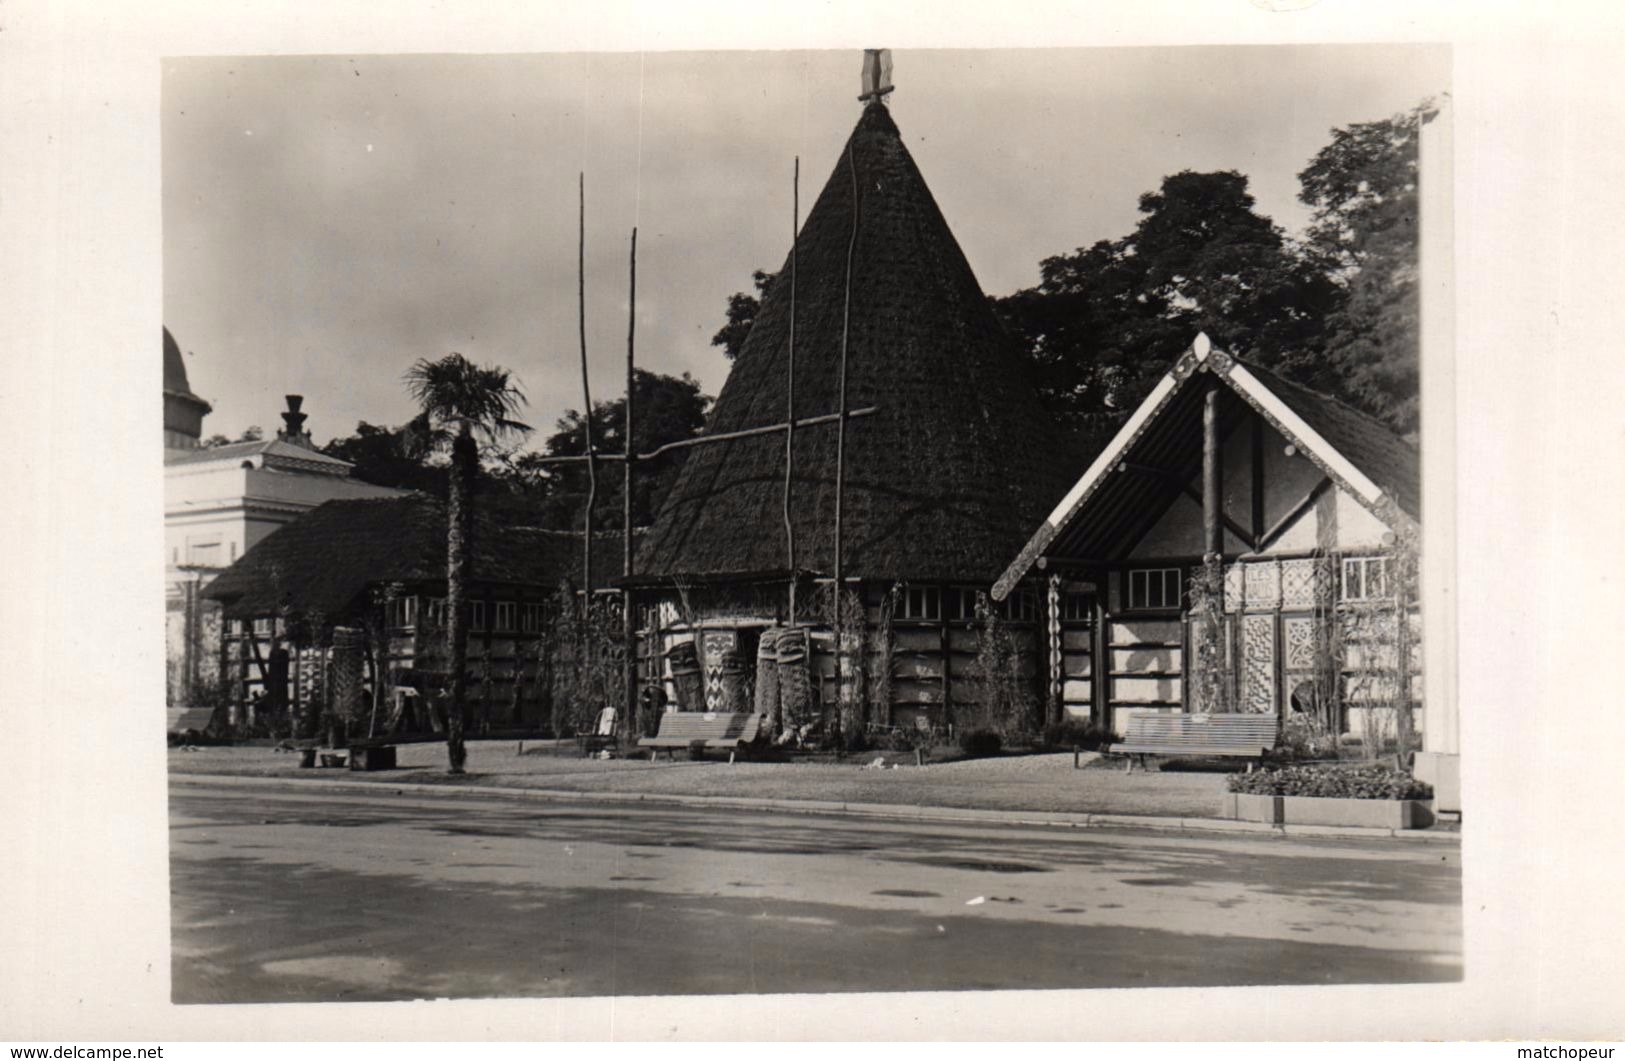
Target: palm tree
460,399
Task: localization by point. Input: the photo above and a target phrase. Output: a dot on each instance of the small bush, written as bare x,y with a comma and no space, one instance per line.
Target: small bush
1303,738
1091,736
1343,782
980,743
911,738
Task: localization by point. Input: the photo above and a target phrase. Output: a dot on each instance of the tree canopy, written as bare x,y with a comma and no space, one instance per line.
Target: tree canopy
668,409
742,310
1362,188
1336,310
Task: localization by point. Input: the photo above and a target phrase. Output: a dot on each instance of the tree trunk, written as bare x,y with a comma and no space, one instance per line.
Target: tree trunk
464,464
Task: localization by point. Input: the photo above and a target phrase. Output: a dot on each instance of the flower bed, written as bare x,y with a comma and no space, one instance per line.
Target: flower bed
1367,781
1366,795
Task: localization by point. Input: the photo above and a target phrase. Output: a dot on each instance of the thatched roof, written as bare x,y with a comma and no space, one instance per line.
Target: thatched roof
1371,445
325,561
946,481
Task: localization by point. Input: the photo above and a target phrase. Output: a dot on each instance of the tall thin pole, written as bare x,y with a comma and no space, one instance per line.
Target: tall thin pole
586,392
790,389
629,626
840,423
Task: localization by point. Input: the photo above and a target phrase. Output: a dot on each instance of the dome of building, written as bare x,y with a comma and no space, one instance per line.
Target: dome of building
183,410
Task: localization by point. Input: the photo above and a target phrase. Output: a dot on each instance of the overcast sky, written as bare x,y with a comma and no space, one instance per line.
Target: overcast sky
329,220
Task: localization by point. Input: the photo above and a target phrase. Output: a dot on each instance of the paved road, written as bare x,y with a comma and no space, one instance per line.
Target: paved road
283,895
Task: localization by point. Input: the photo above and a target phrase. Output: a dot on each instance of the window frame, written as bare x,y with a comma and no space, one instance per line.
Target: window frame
1145,604
1364,565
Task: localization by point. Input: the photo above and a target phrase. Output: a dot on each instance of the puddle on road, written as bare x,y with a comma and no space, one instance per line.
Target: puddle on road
980,865
1157,882
373,973
907,893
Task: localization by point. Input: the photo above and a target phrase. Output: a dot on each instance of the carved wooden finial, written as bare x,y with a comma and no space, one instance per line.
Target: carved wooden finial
1202,346
876,74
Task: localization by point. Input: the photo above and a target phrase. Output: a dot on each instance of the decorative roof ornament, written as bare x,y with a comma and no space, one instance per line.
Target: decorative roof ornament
876,74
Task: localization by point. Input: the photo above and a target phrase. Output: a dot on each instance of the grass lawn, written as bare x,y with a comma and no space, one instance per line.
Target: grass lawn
1038,782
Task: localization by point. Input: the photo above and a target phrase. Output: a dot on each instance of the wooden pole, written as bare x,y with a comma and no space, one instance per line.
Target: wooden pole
790,390
586,392
1212,536
1212,509
629,626
840,428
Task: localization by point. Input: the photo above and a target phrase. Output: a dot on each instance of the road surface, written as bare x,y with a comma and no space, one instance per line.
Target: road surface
293,896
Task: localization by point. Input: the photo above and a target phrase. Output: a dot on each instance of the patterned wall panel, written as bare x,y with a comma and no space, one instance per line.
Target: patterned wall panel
1305,583
712,645
1300,643
1258,663
1263,591
1233,576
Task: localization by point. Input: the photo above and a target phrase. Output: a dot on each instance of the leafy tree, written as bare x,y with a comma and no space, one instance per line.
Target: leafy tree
1362,189
1105,322
460,400
668,409
391,456
742,310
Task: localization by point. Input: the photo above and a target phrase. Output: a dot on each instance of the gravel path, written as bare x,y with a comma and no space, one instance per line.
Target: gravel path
1045,782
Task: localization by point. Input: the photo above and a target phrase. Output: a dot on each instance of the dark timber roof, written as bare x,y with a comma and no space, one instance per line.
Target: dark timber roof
325,561
946,480
1106,514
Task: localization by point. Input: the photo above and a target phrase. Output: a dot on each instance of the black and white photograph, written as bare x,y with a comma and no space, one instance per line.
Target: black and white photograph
1052,523
990,560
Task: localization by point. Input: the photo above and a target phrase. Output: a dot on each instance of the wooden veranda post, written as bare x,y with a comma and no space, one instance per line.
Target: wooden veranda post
1212,543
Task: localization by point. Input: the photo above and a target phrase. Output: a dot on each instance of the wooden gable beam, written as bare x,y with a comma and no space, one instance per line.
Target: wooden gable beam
1179,482
1303,505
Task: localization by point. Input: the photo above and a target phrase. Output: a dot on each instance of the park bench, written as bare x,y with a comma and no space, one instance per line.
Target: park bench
703,729
1245,736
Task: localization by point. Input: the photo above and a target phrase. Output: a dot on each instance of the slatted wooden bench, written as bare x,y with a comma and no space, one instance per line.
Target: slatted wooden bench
1245,736
707,729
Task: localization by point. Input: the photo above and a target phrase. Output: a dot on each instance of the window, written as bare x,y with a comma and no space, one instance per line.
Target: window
1364,578
1021,606
476,615
504,615
959,605
532,618
262,626
434,612
1156,587
919,602
402,611
1077,607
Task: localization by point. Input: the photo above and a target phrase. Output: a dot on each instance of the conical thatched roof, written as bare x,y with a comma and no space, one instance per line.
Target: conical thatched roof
946,481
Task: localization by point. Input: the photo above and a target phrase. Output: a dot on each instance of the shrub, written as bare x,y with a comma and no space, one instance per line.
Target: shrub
1305,738
980,743
1090,736
1369,781
911,738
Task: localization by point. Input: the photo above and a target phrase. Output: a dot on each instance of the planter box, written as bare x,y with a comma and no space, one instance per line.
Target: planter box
1377,813
1245,807
1321,810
